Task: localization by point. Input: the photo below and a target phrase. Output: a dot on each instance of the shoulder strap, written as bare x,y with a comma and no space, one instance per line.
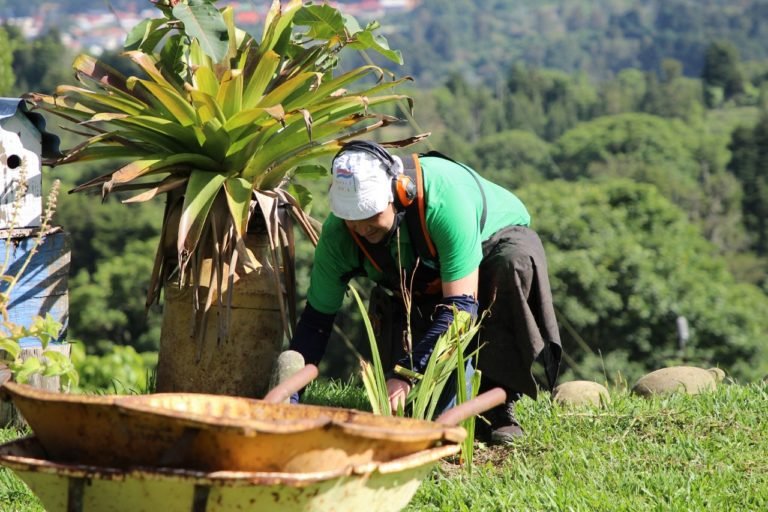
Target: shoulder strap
415,213
375,253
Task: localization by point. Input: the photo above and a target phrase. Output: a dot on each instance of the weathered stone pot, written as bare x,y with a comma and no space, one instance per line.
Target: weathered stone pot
581,392
678,379
239,364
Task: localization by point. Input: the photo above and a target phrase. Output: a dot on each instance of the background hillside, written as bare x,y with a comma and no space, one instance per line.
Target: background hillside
483,38
635,131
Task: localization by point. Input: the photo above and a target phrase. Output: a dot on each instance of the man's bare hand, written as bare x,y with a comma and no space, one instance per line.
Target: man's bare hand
397,390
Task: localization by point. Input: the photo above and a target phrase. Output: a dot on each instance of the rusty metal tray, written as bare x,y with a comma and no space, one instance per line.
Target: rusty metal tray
215,432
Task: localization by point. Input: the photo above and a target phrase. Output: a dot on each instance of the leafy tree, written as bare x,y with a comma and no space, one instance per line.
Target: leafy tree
624,93
625,263
722,69
455,146
749,147
673,95
665,152
102,231
40,64
107,304
600,37
6,60
513,158
548,102
645,147
470,112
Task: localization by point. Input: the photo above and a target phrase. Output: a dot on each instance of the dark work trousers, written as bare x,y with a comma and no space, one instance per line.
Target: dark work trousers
520,325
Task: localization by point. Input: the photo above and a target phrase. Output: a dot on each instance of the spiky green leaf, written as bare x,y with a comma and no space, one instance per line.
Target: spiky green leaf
289,87
302,194
273,176
239,192
172,102
216,140
148,65
169,183
205,81
262,76
246,118
202,189
88,67
100,102
277,21
230,95
165,132
207,107
311,171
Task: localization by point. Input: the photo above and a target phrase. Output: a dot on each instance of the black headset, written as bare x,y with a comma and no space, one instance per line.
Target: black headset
403,188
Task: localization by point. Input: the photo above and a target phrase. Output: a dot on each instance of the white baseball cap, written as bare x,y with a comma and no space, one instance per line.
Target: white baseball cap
361,186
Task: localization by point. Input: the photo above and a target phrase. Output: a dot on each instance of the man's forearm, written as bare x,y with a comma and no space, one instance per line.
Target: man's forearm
443,317
312,334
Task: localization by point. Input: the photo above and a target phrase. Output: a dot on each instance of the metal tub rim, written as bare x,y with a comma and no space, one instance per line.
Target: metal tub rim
16,456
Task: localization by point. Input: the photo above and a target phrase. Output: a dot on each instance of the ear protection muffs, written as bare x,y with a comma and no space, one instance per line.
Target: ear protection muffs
403,188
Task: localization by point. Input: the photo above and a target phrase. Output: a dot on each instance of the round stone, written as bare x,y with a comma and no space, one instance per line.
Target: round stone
678,379
581,392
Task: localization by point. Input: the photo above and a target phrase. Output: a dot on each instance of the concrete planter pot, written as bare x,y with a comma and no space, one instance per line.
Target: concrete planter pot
238,364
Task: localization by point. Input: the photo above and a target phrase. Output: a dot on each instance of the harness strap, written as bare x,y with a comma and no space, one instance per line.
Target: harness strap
416,212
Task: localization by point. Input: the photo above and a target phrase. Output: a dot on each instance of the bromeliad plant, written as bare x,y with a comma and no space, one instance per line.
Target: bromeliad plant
223,124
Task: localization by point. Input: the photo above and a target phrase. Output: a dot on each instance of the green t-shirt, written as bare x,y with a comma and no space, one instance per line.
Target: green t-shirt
453,212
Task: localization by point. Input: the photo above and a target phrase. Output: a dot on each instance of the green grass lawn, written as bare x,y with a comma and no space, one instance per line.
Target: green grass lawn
706,452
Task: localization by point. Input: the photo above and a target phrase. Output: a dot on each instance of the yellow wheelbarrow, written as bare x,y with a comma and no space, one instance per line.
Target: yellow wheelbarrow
373,487
216,432
208,452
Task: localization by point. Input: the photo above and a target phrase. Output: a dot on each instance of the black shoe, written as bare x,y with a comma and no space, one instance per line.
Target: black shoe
503,427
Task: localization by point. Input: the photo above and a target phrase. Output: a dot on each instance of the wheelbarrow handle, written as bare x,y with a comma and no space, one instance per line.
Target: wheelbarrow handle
292,384
477,405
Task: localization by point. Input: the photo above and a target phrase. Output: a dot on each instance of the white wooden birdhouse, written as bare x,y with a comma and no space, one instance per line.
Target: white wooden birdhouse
20,164
40,266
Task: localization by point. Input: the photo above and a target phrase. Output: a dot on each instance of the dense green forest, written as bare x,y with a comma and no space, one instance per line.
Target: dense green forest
635,131
482,39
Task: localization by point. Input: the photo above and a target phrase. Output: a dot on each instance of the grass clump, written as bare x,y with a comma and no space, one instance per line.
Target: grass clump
704,452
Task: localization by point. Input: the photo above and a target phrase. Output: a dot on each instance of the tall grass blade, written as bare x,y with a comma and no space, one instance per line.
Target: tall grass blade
373,374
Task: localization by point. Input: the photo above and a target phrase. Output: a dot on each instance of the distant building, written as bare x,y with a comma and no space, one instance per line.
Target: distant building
98,29
400,5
